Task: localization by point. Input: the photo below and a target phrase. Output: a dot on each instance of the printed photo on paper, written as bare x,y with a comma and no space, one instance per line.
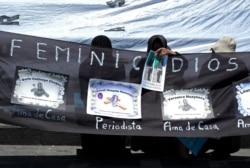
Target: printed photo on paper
153,77
186,104
243,97
40,88
114,99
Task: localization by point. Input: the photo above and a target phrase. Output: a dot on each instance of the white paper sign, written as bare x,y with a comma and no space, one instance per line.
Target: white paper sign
40,88
243,97
186,104
114,99
153,77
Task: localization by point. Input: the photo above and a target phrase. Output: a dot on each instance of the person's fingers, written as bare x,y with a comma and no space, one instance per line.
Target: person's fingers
165,51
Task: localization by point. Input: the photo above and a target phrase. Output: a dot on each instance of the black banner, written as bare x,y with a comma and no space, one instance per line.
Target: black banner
45,85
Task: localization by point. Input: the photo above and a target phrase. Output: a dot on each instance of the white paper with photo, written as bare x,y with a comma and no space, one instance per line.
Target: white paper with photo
114,99
187,104
40,88
153,77
243,97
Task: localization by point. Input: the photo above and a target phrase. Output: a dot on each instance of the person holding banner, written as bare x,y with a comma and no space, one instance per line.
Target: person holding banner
221,83
158,44
101,145
159,146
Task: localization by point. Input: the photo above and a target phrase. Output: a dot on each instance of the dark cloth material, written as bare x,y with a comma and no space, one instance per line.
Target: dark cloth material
100,45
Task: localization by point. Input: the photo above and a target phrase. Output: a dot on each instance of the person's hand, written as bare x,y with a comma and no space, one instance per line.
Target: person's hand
164,51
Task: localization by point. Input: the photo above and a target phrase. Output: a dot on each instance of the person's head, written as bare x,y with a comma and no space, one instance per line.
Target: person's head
102,44
224,44
101,41
105,66
156,41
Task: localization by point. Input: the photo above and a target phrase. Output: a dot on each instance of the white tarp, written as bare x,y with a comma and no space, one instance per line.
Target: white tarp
189,25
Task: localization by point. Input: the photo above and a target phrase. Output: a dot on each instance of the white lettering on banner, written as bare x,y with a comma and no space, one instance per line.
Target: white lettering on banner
196,64
173,64
100,124
93,54
79,55
61,49
117,59
39,50
231,61
134,64
190,127
205,127
209,64
167,126
241,124
14,46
